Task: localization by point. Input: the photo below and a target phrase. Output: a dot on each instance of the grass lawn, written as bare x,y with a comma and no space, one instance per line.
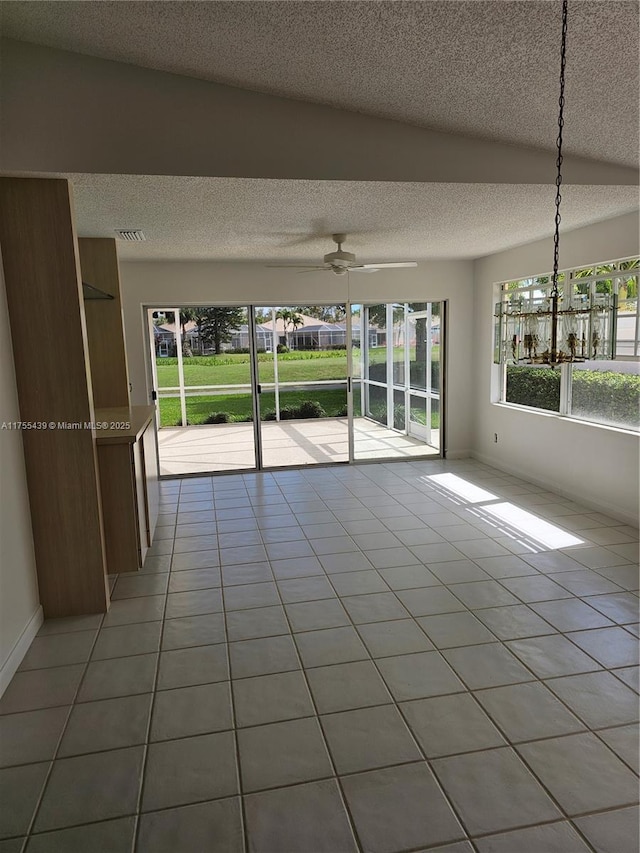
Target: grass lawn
235,368
199,408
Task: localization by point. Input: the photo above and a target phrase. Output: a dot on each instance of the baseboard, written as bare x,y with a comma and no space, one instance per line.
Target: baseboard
9,667
458,454
614,511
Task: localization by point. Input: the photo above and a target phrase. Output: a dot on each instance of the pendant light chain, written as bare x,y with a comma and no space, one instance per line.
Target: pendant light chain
556,238
578,328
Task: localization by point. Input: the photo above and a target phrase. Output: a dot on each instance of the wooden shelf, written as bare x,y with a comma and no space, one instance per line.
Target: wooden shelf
105,336
138,418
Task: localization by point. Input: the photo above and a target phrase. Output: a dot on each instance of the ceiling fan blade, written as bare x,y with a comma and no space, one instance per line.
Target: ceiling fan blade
294,267
384,266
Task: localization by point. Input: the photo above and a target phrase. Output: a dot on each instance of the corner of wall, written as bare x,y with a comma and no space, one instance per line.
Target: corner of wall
20,610
20,648
564,455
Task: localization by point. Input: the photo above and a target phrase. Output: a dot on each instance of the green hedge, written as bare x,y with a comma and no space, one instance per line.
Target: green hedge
597,395
606,396
306,409
241,356
537,387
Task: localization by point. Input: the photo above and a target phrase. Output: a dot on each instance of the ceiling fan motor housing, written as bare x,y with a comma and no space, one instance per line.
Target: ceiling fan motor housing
339,262
340,259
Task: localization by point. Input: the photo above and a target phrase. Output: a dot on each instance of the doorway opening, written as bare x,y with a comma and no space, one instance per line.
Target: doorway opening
398,356
242,388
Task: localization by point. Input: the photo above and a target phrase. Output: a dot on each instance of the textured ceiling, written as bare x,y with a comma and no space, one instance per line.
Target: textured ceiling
479,68
254,220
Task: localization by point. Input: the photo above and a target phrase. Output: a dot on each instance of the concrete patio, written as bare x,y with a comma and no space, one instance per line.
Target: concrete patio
230,447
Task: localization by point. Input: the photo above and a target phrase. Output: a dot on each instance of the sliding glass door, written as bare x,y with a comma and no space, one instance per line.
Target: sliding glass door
202,373
241,388
302,383
423,363
396,351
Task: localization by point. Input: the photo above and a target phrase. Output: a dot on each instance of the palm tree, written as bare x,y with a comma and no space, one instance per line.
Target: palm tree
186,316
289,318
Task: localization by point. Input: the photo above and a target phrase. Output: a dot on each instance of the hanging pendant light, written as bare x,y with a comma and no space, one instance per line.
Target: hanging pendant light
555,327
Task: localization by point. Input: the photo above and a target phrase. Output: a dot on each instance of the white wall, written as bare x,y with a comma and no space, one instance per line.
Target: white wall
169,285
594,465
20,611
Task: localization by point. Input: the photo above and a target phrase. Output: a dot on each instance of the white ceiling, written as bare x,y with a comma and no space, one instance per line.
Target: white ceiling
251,219
488,69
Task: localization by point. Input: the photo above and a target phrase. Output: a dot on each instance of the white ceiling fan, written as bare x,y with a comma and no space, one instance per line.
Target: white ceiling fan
341,262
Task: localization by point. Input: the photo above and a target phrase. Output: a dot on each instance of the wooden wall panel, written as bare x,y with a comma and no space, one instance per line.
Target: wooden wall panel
43,283
120,501
105,328
152,475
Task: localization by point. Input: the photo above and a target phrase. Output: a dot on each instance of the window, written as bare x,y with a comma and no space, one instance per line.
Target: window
598,341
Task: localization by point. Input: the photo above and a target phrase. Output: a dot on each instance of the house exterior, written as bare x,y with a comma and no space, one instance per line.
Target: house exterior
311,334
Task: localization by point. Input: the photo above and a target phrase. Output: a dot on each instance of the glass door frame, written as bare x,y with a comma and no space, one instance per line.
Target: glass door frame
281,388
362,379
148,310
256,389
428,393
155,395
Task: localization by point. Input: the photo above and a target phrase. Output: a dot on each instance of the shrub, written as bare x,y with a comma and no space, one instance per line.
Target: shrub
218,418
282,348
399,416
311,355
378,412
306,409
607,397
378,372
179,422
598,395
538,387
342,413
310,409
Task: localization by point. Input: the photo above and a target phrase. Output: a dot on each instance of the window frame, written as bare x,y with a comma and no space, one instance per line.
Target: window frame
530,286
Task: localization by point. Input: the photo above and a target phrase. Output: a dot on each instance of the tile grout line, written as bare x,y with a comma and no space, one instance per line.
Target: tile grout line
393,703
52,761
316,717
234,723
509,745
143,766
496,723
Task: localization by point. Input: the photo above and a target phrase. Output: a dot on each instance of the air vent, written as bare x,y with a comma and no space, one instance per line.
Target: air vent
132,235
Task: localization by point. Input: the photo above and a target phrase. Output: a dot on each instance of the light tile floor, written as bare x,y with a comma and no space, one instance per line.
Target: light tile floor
341,659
